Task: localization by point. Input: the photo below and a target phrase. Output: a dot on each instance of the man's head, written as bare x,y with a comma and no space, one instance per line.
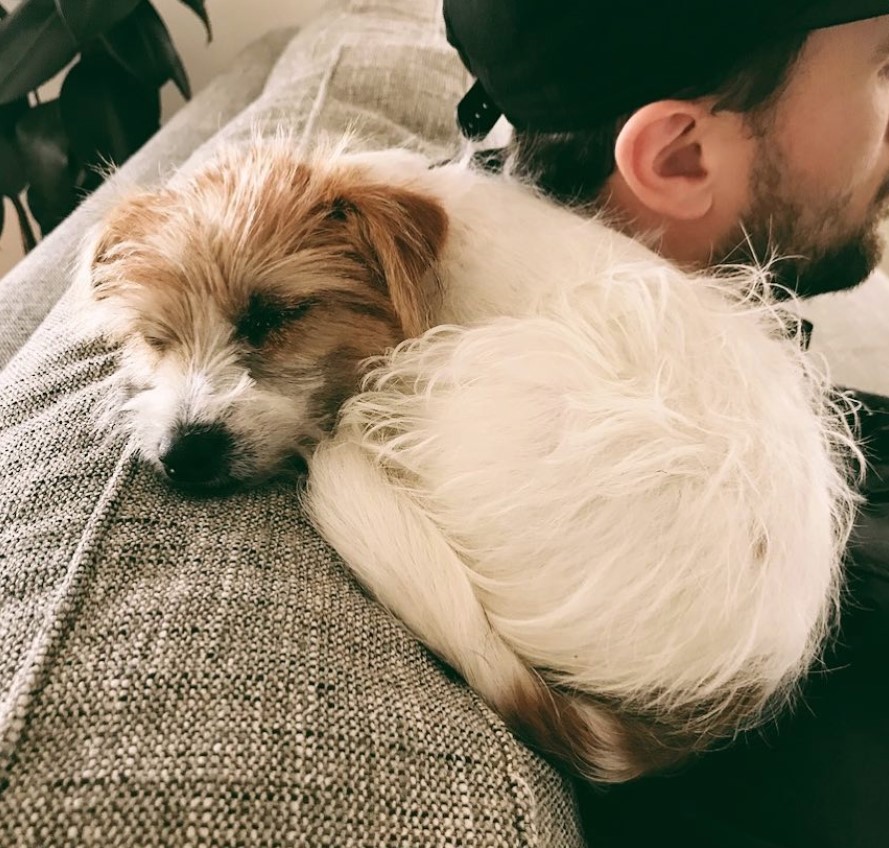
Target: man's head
783,148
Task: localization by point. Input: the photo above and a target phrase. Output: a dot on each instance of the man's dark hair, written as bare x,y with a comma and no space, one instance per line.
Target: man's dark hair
574,166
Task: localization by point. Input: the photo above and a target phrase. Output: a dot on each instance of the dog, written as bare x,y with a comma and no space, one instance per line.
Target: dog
613,495
244,298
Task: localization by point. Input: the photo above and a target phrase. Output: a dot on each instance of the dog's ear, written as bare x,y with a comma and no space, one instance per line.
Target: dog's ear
404,232
126,222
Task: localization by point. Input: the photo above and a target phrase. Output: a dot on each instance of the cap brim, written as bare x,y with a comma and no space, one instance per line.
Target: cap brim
836,12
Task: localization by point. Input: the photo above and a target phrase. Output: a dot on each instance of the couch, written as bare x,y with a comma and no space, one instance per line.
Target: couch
186,672
180,672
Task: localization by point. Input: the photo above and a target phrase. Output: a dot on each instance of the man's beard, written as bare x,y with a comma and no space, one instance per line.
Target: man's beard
807,249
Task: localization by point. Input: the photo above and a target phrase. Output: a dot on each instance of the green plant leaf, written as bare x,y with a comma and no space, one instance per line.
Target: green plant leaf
12,169
3,14
35,45
10,114
107,113
27,234
12,174
198,7
141,44
46,154
88,19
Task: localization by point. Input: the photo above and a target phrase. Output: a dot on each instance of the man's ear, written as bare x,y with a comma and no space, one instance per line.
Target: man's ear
663,155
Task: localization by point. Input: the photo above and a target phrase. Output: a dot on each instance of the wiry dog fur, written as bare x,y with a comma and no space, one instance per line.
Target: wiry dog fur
246,296
611,494
621,519
615,498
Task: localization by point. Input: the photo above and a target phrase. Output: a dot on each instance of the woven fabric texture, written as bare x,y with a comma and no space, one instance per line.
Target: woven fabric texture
181,672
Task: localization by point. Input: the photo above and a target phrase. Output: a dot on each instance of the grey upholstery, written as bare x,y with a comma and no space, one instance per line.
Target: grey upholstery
178,672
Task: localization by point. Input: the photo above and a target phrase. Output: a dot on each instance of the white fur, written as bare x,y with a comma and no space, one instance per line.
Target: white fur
632,487
508,249
611,494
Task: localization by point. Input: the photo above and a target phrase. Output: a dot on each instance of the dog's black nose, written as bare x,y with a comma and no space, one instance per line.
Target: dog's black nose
199,456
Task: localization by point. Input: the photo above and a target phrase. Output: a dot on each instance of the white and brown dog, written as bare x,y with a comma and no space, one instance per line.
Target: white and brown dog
613,495
245,297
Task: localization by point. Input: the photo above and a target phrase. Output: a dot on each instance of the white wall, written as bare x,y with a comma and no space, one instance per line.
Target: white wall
235,23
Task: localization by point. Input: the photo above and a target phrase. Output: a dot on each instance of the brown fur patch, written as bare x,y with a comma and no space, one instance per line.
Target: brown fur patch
126,225
342,372
276,261
596,740
273,225
406,233
607,742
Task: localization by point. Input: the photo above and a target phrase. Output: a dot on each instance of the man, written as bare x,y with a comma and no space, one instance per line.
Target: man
741,132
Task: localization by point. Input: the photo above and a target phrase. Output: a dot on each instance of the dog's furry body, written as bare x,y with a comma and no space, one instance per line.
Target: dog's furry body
615,499
611,494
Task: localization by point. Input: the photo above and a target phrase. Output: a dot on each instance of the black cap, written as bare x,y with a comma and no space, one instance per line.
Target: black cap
562,65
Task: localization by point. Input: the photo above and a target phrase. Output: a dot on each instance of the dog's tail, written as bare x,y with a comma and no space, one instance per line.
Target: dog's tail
399,554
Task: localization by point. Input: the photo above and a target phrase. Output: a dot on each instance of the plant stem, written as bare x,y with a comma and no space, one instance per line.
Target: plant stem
28,240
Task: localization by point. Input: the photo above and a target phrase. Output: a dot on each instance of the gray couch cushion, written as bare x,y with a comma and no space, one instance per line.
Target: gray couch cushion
190,672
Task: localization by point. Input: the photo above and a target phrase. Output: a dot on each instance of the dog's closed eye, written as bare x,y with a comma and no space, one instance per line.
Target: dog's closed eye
266,315
156,342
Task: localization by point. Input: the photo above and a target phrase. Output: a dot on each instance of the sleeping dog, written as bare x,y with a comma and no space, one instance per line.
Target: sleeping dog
612,494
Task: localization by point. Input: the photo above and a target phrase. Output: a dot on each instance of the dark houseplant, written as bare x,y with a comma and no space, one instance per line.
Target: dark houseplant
118,54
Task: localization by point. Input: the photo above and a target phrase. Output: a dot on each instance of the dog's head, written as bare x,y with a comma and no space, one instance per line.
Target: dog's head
245,299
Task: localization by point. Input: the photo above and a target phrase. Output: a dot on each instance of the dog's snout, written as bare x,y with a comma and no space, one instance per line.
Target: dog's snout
199,456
